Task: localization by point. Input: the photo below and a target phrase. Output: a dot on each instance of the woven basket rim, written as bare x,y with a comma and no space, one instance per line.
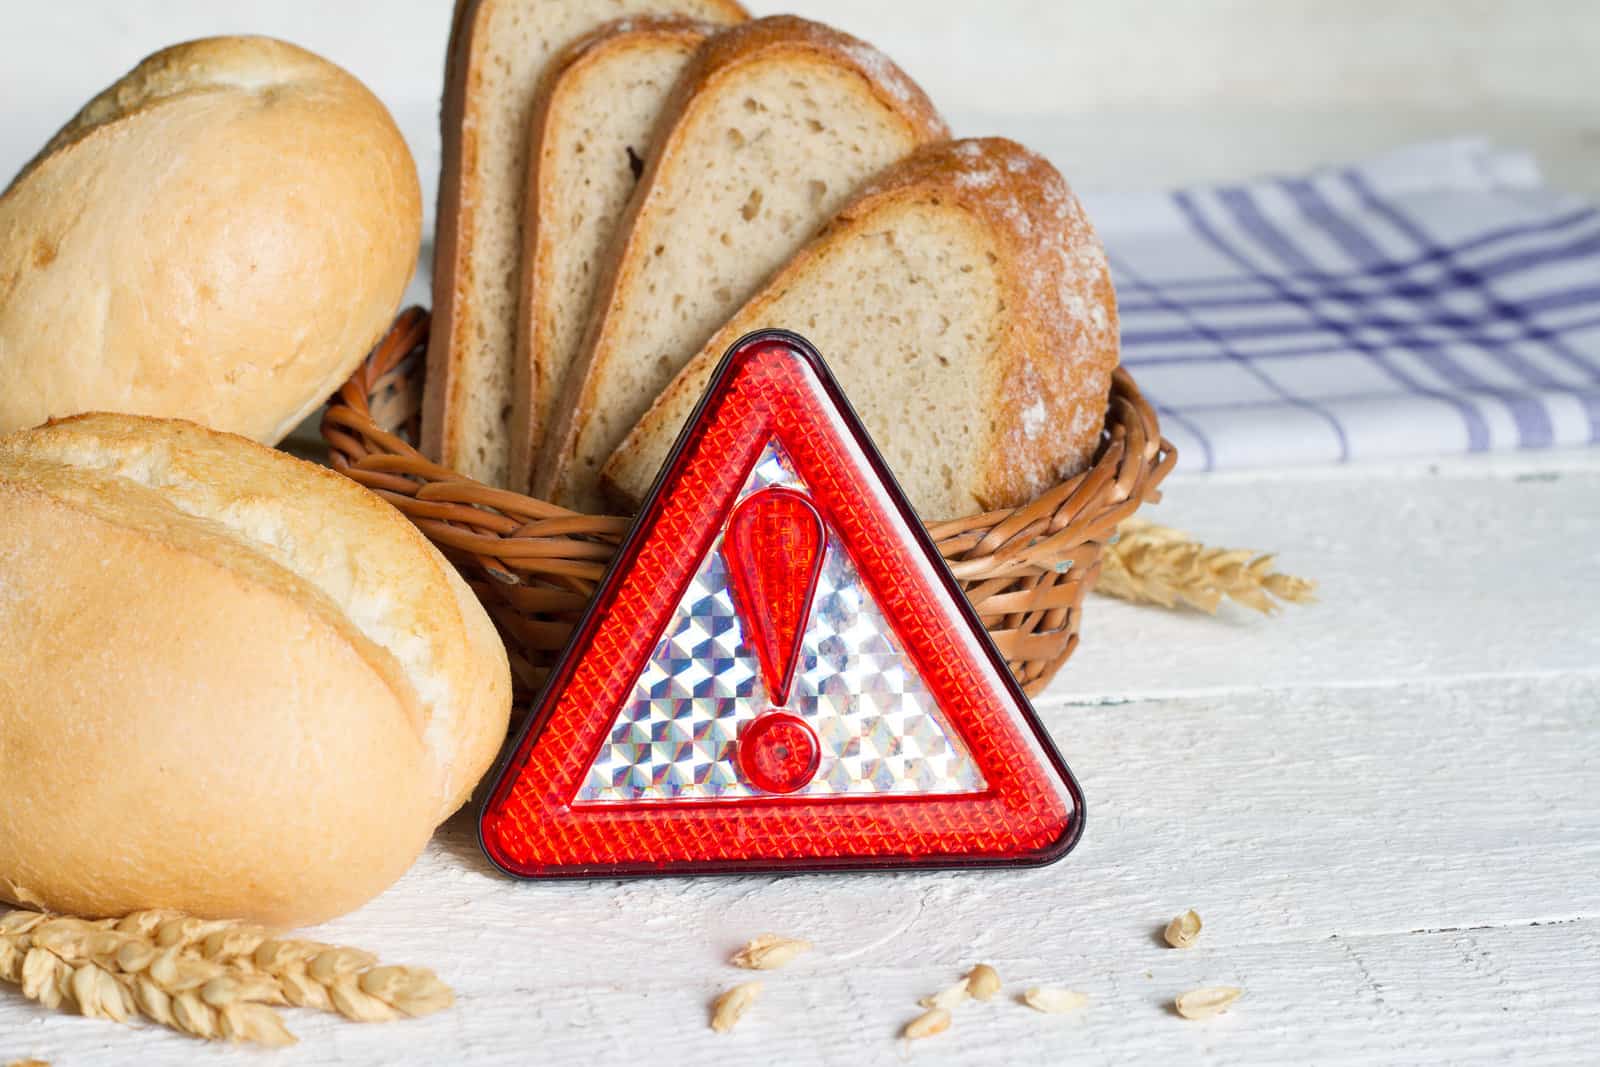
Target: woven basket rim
535,563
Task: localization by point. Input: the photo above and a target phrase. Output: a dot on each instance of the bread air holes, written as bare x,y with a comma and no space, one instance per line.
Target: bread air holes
752,206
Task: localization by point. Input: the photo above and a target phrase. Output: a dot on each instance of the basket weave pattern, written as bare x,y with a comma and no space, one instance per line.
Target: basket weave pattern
535,565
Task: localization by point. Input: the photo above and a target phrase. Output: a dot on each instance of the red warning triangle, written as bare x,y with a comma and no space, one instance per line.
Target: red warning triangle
778,672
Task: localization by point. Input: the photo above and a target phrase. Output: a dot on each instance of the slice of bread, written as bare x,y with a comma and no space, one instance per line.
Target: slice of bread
770,129
498,50
964,303
593,118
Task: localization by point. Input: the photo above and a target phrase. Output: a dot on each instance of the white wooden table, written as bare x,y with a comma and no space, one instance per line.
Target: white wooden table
1386,806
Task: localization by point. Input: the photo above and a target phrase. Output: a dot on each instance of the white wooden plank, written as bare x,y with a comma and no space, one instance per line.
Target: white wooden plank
1521,995
1471,567
1322,833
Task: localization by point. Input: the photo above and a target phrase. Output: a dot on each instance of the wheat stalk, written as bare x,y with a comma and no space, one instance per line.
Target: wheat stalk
208,979
1150,564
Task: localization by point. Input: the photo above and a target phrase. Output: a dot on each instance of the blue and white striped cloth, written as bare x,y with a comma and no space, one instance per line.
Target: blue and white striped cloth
1440,299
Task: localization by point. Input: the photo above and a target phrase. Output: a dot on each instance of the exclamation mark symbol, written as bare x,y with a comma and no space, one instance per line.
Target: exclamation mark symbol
773,547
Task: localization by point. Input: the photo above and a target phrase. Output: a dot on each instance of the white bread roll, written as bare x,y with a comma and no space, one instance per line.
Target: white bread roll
231,682
222,235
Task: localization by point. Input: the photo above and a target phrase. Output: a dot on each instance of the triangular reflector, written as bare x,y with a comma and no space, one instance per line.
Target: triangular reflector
714,712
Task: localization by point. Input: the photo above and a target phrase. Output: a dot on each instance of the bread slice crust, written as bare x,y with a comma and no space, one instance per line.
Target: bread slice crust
779,61
1042,366
467,402
581,170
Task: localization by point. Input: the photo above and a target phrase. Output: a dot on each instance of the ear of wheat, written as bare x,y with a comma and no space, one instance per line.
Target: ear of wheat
1150,564
207,979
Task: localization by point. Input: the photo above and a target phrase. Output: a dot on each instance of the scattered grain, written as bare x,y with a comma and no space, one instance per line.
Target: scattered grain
729,1008
769,952
930,1022
948,998
1184,930
1204,1003
1054,1001
983,982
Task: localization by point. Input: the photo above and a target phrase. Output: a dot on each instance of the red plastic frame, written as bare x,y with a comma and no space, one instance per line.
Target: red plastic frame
773,385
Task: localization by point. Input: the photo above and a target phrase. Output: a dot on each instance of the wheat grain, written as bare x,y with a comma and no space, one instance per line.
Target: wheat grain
1054,1001
1150,564
1184,930
933,1021
202,977
769,952
729,1008
983,982
254,1024
948,998
1204,1003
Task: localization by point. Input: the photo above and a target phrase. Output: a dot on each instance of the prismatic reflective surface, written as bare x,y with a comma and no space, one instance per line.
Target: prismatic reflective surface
879,727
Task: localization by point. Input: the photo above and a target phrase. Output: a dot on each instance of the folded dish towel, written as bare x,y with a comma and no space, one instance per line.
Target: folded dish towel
1438,299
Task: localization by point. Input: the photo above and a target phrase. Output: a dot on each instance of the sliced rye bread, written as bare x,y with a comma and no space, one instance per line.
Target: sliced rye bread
498,50
767,133
964,303
597,106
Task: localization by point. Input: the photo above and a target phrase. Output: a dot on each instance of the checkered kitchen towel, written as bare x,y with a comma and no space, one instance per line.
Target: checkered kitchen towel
1439,299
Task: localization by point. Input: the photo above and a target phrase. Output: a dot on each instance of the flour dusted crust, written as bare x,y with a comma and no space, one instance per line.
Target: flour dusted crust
220,235
1042,370
594,410
233,683
567,227
497,54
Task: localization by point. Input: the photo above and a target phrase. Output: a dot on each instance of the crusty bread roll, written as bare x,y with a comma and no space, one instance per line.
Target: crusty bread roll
231,682
965,303
221,235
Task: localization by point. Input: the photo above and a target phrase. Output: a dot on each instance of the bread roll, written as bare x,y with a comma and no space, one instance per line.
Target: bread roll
231,682
221,235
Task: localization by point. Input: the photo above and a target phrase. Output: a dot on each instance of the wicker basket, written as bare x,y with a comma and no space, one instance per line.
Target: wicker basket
535,565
